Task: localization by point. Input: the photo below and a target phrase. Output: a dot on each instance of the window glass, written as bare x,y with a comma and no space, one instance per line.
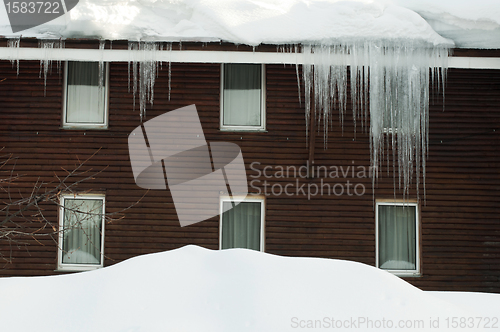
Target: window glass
242,95
397,237
85,101
81,236
241,225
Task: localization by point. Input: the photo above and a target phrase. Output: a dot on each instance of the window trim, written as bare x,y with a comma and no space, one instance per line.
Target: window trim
400,273
262,127
390,131
240,199
76,125
79,267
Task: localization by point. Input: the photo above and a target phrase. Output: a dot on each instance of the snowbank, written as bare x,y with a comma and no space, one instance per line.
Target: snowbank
195,289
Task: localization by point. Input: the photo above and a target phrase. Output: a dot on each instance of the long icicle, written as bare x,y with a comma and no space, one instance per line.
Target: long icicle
394,78
145,69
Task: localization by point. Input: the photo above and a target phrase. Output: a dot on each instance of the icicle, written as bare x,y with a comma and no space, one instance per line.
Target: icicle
169,49
296,51
60,44
325,73
399,105
130,47
14,43
394,78
144,67
292,49
133,46
102,69
307,78
46,61
102,44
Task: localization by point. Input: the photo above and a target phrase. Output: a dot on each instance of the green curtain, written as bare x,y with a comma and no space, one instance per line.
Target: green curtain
82,231
397,237
84,100
241,225
242,95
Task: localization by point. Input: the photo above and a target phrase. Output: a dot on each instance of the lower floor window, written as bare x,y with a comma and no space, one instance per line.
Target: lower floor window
397,237
81,224
242,222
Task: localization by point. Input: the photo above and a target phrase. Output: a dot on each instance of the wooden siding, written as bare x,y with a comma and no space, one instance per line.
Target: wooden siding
460,217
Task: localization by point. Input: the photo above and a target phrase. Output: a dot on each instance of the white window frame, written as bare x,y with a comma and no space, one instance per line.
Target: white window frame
240,199
77,125
400,273
262,126
390,131
79,267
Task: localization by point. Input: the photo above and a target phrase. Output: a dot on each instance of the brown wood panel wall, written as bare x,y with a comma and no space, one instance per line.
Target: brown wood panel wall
460,217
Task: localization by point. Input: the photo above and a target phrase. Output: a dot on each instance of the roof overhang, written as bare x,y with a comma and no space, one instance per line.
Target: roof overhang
199,56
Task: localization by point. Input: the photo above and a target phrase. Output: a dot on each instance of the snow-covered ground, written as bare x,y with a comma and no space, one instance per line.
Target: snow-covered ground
196,289
466,23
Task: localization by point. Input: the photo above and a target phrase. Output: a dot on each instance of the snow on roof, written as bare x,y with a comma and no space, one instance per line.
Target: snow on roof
251,22
196,289
475,25
470,24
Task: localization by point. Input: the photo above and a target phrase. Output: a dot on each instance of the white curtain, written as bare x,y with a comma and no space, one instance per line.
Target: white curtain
85,100
397,237
241,225
242,95
82,231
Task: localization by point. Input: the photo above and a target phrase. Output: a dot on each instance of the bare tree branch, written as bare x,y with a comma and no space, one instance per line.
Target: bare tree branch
21,213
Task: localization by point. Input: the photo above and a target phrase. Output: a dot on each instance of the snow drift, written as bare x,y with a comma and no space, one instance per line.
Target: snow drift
196,289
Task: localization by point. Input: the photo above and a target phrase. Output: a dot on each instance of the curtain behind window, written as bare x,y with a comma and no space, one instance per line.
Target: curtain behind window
241,226
85,101
82,231
242,95
397,237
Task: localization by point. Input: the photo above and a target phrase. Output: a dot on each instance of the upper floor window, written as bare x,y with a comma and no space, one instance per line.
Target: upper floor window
242,225
85,104
242,97
397,237
395,119
81,232
389,122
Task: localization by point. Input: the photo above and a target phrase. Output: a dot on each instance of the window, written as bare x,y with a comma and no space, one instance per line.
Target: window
404,119
397,237
242,97
81,236
389,122
242,225
85,104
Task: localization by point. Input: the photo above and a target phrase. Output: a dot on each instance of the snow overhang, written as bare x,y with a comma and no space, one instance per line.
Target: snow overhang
237,21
